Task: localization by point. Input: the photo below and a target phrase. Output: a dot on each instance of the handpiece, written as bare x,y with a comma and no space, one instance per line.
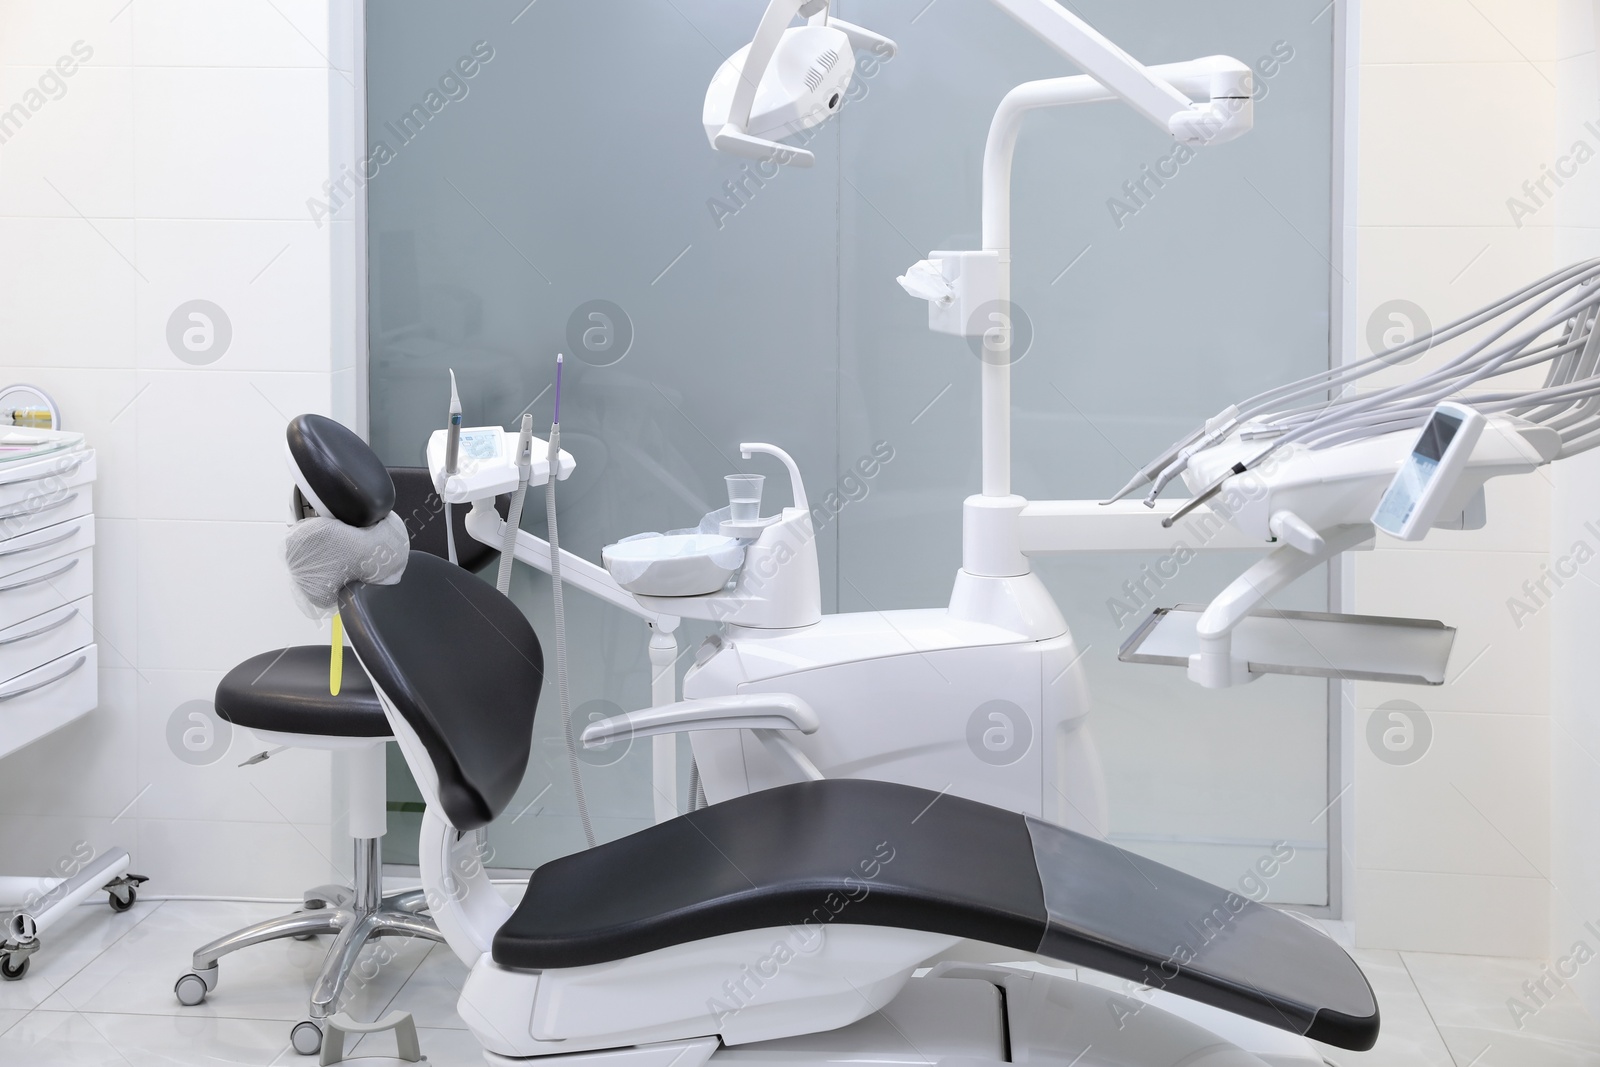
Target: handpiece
452,445
555,424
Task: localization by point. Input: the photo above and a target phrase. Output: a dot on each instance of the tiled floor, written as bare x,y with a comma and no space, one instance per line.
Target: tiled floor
101,994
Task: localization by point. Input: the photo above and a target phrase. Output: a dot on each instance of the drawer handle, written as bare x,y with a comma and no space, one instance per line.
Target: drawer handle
20,513
46,628
58,572
79,662
59,472
56,540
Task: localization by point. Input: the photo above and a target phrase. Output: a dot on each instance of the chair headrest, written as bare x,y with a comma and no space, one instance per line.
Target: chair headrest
338,473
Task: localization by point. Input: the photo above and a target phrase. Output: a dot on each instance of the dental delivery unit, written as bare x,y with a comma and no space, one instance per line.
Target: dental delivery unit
792,714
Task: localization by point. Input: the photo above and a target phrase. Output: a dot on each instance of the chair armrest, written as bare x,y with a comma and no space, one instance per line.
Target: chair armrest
754,711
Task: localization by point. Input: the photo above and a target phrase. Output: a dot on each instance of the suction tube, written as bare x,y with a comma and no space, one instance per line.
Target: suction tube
560,613
452,463
508,545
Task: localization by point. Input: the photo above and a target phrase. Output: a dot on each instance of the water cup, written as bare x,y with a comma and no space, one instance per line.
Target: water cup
744,496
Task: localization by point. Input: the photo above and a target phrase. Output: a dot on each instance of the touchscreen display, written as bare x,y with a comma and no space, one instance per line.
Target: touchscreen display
1408,486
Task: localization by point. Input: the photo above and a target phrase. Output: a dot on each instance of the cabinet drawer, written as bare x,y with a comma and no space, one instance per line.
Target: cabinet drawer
52,473
46,586
39,640
49,505
45,544
48,697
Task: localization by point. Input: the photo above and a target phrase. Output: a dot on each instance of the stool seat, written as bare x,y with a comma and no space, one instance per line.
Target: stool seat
286,691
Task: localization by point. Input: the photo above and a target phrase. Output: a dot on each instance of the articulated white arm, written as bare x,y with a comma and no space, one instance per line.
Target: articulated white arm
1144,90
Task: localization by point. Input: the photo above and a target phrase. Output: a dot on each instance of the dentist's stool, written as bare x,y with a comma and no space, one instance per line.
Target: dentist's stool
282,698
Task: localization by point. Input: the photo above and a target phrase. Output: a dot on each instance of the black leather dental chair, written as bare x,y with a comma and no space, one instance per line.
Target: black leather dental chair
459,669
282,698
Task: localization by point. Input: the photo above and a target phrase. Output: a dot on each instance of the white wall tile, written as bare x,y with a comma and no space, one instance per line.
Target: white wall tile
116,591
1458,31
104,406
220,858
211,124
290,788
271,280
1473,804
40,32
211,442
74,155
239,33
347,255
1575,27
69,290
1575,243
1446,272
1576,153
1446,144
81,769
37,844
1476,915
212,594
344,406
204,132
1500,662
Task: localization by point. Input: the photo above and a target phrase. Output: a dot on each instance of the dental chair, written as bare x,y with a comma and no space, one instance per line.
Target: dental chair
788,924
282,697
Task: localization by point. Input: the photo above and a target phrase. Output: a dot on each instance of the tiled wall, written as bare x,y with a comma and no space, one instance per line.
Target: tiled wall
1458,107
1575,616
175,164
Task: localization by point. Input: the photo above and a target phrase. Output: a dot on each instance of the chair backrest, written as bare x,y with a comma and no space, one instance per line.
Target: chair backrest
455,659
462,667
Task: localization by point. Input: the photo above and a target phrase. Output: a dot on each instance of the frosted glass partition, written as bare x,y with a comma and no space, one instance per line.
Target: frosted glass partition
563,197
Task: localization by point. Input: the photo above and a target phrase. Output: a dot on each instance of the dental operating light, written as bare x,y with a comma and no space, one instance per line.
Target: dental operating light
785,81
789,79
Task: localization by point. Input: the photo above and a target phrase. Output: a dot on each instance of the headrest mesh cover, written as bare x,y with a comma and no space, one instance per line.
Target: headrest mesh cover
325,555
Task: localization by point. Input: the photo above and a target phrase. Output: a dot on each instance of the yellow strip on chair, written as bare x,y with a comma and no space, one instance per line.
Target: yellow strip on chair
336,658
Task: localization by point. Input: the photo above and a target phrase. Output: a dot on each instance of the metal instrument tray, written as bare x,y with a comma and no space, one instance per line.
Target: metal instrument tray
1367,648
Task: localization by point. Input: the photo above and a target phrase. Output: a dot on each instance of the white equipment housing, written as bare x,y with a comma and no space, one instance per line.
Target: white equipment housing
913,696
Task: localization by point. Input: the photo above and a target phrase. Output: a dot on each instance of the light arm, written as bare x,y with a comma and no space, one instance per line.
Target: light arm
1143,89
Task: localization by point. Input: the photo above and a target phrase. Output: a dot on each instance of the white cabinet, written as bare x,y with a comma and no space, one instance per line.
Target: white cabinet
48,673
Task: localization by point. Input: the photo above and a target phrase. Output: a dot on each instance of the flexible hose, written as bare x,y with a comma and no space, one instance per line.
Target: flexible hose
1318,420
561,637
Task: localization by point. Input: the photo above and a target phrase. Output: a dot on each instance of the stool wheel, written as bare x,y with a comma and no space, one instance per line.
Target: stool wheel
306,1037
191,990
12,973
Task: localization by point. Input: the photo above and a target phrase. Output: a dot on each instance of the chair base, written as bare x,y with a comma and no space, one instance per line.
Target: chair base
355,915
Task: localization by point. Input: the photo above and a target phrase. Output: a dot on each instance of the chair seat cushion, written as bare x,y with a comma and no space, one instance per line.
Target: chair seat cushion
286,691
854,852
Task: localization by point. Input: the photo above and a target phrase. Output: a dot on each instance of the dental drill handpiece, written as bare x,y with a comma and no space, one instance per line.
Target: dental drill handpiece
555,422
452,444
